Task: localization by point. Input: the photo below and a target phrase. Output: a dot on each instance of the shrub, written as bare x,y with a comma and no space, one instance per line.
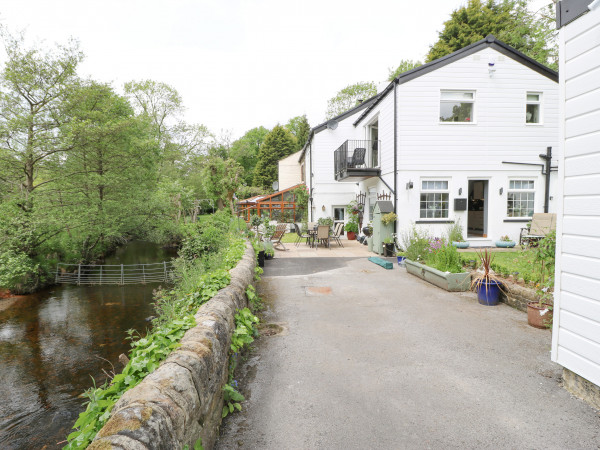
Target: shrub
445,258
454,232
416,243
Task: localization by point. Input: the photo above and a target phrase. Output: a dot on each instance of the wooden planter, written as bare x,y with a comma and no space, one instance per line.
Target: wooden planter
449,281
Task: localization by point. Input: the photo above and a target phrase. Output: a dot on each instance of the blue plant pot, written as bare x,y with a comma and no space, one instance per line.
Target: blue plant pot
505,244
489,293
460,244
401,260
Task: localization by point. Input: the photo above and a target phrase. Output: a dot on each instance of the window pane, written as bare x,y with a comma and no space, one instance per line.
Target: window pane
532,114
456,95
533,97
456,112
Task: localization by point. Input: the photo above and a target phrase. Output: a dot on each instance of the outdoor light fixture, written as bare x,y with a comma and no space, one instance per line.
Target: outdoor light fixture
501,191
459,191
323,207
409,185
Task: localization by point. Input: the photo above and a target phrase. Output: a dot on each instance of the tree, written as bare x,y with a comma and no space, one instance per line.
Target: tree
510,21
300,128
245,151
221,179
404,66
349,97
278,144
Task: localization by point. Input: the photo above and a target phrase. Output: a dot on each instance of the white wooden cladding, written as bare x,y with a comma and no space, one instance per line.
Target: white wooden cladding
576,338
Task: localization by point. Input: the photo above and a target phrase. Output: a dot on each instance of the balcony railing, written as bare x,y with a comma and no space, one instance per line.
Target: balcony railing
357,160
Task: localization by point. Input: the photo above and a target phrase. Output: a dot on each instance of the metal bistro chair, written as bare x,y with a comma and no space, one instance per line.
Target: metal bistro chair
322,236
337,232
300,235
358,157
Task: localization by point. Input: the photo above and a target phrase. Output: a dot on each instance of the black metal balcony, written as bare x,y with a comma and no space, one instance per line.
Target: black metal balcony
357,160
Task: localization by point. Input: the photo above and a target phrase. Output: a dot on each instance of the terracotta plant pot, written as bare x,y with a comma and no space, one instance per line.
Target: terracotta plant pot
539,317
351,235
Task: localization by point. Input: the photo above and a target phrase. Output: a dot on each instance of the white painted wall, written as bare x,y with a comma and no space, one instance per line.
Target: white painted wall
290,173
576,329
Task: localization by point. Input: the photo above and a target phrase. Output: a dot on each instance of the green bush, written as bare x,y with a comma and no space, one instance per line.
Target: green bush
445,259
416,243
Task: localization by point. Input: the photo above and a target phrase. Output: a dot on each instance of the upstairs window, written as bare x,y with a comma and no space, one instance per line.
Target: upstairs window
521,197
434,199
533,107
457,106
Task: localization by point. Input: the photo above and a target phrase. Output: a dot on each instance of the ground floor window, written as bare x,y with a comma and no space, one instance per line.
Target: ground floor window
520,199
372,200
434,199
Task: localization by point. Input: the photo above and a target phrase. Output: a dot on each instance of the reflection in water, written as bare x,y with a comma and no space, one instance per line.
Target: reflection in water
53,342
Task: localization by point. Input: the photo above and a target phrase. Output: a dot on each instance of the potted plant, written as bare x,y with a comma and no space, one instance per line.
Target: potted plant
388,218
269,250
401,256
505,242
351,228
486,284
388,247
539,313
259,249
455,235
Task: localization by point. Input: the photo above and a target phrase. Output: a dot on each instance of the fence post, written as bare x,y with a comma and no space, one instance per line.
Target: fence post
165,264
100,274
78,274
122,275
144,272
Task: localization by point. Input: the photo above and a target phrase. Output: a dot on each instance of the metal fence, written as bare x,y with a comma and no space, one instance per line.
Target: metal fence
115,273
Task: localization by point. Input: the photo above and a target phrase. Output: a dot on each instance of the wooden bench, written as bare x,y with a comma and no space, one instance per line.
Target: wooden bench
541,225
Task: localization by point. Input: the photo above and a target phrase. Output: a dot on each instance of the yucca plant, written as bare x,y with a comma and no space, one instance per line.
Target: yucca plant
486,277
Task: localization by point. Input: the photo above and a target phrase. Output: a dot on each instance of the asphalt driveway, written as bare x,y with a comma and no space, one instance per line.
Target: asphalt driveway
376,359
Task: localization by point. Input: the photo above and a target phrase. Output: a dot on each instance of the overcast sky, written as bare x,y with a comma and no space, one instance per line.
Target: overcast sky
238,64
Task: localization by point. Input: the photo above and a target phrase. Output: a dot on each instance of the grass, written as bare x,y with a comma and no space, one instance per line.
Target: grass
520,264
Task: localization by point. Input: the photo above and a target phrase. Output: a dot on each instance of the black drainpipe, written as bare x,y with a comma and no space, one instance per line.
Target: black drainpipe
311,185
548,161
395,151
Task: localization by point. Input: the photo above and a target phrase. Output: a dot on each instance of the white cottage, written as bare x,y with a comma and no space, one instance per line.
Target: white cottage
576,326
464,137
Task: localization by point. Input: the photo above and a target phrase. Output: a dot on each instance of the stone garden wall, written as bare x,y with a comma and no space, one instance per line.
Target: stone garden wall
518,296
182,400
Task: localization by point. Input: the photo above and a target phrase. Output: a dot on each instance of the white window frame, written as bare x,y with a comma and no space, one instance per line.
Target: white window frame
520,190
539,102
457,99
433,190
368,126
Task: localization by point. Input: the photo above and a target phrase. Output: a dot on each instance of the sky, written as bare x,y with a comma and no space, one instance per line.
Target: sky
237,64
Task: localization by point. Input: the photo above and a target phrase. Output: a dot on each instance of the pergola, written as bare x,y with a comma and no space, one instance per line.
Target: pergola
279,206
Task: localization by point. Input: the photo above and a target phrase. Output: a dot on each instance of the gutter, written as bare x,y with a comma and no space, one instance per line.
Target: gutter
395,149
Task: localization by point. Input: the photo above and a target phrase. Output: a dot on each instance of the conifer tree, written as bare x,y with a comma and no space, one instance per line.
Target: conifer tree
278,144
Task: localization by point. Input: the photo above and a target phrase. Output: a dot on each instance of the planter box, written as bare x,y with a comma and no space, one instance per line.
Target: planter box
448,281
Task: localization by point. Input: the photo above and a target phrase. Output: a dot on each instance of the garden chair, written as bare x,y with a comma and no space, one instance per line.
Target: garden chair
300,235
323,235
542,224
358,157
279,233
337,232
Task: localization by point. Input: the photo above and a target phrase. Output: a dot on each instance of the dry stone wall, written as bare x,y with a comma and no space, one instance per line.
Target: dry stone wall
181,401
518,296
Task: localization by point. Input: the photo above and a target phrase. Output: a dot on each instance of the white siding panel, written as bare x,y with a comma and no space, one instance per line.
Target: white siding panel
581,306
581,245
585,267
585,83
587,123
583,226
585,348
582,145
583,104
580,44
583,63
582,165
581,327
576,363
582,206
583,185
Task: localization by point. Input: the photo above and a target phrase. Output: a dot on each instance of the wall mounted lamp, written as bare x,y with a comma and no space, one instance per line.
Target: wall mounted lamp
323,207
409,185
501,191
459,191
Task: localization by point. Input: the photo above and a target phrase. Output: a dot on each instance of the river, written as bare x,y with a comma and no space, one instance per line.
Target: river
53,342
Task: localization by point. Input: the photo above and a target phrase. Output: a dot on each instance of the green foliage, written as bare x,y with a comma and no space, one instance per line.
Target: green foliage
532,33
445,259
388,218
254,300
231,400
222,178
197,445
325,221
278,144
300,128
301,195
545,254
404,66
17,270
415,242
349,97
351,227
245,152
199,281
454,232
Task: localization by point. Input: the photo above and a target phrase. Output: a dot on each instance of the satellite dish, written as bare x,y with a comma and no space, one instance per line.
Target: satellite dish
332,124
275,185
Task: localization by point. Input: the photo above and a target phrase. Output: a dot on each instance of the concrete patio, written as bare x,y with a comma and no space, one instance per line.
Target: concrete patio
350,249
